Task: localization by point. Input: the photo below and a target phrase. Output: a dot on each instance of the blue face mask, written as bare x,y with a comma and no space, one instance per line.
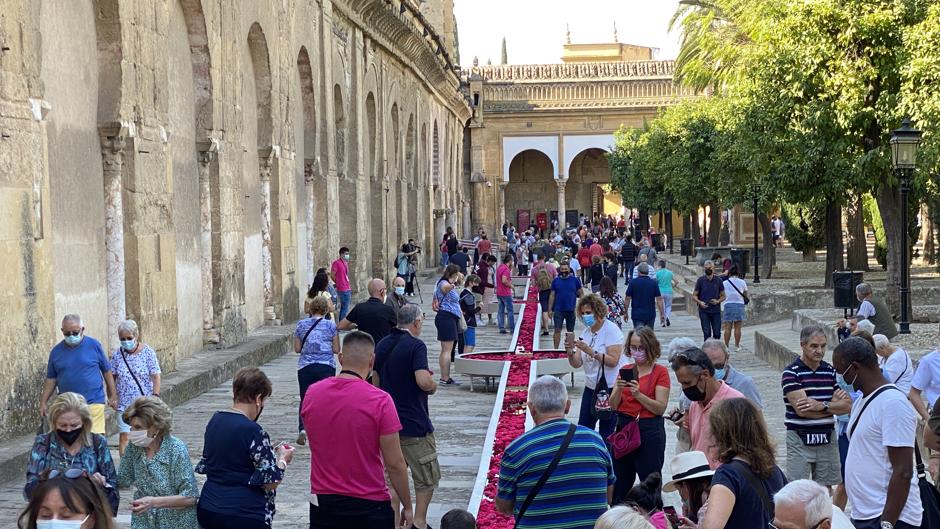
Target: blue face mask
720,374
128,345
400,291
73,340
588,320
843,385
345,257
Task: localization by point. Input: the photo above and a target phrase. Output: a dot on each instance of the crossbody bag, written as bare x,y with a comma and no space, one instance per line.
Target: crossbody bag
547,474
131,371
312,327
877,392
744,296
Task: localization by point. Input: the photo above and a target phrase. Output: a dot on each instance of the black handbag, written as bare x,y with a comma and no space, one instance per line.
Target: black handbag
600,405
929,496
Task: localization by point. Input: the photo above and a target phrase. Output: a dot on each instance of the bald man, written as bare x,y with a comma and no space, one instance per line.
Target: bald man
372,316
345,436
396,298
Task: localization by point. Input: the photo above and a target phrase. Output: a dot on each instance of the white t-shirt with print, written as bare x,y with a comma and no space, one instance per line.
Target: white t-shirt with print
609,334
889,421
898,369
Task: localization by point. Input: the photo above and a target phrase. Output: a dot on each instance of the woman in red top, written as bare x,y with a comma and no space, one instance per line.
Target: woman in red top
644,400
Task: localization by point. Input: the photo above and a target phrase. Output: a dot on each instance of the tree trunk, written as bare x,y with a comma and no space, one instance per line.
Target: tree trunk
696,229
927,235
834,247
644,220
769,251
857,251
714,225
686,226
889,204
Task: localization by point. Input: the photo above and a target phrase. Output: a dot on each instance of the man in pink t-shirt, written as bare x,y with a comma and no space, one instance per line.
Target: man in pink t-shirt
484,246
352,427
339,273
504,294
696,373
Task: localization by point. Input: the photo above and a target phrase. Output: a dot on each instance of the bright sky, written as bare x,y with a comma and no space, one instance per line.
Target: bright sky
535,29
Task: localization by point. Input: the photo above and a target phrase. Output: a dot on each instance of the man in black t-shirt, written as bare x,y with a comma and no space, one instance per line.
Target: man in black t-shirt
372,316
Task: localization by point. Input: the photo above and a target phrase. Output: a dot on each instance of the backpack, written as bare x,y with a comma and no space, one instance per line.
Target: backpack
542,279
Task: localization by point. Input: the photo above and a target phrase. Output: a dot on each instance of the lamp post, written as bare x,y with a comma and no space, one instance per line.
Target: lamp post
755,191
669,221
904,143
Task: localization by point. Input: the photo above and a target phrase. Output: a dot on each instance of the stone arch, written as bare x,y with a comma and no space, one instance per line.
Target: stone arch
377,234
395,141
261,66
588,179
411,165
339,123
198,39
314,185
513,145
531,186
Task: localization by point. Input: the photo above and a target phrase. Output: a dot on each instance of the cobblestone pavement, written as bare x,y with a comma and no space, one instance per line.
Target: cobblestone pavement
459,415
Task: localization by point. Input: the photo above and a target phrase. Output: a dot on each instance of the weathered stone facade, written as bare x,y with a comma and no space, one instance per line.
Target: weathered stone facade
190,164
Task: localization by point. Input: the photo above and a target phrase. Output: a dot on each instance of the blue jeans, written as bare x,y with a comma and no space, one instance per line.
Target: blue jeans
585,418
505,306
445,259
711,324
345,298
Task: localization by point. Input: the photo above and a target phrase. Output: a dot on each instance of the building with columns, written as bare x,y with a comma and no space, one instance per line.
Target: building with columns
190,164
539,133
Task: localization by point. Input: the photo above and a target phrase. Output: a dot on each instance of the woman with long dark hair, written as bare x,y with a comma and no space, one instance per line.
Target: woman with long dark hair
66,498
320,287
613,300
747,456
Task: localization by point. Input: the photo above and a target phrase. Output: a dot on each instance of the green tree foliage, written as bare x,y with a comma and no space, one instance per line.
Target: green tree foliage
805,226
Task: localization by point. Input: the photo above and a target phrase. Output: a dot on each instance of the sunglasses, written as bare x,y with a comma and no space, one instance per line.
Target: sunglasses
71,473
71,333
686,358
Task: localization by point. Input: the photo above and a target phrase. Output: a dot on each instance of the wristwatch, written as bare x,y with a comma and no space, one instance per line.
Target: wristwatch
826,406
887,525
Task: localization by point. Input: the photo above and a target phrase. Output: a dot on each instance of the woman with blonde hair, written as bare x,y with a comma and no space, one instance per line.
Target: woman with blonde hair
316,340
748,477
166,493
599,351
70,444
622,517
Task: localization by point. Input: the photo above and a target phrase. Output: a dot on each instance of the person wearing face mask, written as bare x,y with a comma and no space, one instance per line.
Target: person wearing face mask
641,399
566,289
242,467
709,293
165,494
599,350
373,316
316,340
396,298
696,374
71,445
77,364
339,273
136,373
66,500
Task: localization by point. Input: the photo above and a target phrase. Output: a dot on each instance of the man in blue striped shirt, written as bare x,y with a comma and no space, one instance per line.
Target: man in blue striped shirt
578,490
812,398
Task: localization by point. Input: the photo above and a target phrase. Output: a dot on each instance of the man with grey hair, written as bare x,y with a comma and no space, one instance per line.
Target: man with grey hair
805,504
717,351
812,398
644,297
78,364
708,294
679,415
874,311
556,449
401,369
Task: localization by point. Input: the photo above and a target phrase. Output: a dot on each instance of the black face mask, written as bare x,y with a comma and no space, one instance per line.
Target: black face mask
564,274
708,272
693,393
69,437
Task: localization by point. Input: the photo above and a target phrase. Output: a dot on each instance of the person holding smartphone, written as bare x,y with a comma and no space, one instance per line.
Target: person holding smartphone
641,395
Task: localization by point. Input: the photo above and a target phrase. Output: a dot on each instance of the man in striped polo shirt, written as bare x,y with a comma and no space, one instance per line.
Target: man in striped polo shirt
578,491
812,398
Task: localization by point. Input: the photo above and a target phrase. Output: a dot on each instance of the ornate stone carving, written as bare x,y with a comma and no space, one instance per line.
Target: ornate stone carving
573,71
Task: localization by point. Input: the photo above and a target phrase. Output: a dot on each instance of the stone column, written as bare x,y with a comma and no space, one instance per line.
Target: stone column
501,209
113,142
311,171
561,201
265,162
207,155
467,224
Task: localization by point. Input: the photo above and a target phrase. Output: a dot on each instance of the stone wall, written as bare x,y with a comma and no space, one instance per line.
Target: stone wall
190,164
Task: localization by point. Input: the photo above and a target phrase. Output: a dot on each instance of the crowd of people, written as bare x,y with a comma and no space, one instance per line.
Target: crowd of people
853,424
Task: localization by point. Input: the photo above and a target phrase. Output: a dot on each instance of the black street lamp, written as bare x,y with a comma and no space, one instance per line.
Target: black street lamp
755,191
669,221
904,143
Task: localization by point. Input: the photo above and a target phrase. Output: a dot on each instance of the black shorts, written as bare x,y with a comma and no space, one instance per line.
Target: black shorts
446,324
543,299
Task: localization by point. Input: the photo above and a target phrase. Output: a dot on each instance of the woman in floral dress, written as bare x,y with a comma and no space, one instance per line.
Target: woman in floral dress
614,301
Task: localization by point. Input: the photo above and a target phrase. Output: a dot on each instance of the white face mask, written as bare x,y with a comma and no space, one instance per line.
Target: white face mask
139,438
61,524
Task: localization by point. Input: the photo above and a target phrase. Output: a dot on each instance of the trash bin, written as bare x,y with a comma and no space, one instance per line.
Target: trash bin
658,242
685,247
741,257
843,289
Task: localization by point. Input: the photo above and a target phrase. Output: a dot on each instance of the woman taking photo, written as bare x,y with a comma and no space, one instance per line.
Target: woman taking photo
70,445
157,464
316,340
241,466
66,500
136,373
599,351
642,400
747,456
692,479
447,304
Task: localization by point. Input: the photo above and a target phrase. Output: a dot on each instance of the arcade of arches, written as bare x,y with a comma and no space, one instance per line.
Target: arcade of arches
190,164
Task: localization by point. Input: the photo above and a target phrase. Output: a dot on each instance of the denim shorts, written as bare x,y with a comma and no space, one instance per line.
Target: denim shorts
470,336
123,427
734,312
564,317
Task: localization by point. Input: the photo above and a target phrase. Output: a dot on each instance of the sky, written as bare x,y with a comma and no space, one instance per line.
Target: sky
535,29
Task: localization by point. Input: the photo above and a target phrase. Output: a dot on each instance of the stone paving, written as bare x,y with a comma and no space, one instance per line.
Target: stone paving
459,415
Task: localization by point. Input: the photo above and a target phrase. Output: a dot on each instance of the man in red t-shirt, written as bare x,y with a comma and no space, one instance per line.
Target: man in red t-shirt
484,246
339,273
584,259
352,427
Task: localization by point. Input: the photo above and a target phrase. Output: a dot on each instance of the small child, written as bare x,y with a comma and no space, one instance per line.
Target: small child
647,498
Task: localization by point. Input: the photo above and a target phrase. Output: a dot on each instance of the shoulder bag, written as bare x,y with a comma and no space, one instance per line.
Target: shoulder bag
547,474
601,401
747,299
626,440
877,392
131,371
312,327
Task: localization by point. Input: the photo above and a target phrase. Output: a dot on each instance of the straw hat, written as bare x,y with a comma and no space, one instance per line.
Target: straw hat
688,465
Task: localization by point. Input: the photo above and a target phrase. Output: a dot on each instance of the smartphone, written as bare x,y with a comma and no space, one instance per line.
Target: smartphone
676,416
626,374
672,516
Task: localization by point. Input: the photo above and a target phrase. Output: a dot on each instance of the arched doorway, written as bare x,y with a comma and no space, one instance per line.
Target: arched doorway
588,190
531,189
310,168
